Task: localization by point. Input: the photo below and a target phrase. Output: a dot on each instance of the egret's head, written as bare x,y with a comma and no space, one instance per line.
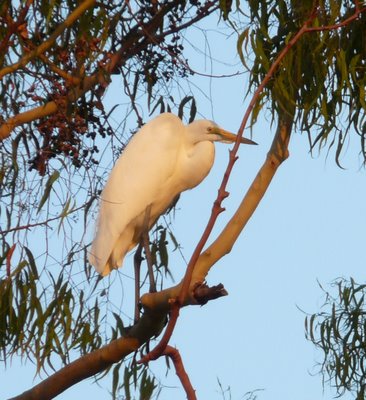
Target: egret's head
208,130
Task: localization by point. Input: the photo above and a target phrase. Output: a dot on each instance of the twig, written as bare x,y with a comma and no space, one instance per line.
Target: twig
354,16
19,228
137,259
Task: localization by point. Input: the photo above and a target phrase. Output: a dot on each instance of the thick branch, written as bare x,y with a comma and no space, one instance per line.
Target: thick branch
225,241
223,244
148,326
97,361
277,154
80,369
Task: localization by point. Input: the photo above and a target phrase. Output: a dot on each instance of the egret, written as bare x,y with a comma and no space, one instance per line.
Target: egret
163,159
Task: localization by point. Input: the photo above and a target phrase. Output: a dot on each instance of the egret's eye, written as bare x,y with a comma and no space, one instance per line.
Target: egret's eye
209,129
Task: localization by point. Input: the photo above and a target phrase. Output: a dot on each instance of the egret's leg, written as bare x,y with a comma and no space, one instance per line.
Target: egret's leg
146,244
137,265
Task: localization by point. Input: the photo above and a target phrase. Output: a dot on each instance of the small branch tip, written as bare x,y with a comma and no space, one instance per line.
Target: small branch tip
204,293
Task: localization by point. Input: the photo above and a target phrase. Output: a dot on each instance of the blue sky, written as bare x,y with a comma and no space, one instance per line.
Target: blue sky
309,226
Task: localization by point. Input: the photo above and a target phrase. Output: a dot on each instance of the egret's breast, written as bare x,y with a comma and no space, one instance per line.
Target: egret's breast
196,163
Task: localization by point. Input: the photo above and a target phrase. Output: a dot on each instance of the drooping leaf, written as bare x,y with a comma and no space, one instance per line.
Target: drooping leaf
243,40
47,191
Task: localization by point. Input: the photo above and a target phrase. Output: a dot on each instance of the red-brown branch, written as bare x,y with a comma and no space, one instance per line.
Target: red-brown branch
174,355
354,16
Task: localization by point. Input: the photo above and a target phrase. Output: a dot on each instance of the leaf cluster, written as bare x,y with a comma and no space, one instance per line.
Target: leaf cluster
322,77
340,333
136,383
45,324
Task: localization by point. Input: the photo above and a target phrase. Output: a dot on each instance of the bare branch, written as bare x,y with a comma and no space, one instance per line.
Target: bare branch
46,222
174,355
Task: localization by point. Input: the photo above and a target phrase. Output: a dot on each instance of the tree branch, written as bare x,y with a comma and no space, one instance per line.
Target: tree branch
149,325
129,47
355,15
174,355
46,222
85,5
225,241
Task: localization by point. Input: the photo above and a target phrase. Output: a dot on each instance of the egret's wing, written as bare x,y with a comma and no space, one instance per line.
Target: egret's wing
136,181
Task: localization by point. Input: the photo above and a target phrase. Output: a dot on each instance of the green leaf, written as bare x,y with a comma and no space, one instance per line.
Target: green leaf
243,39
339,150
174,240
162,106
225,7
126,383
193,109
51,180
32,263
64,213
115,380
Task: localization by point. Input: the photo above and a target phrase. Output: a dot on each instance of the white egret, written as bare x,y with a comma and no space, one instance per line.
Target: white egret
163,159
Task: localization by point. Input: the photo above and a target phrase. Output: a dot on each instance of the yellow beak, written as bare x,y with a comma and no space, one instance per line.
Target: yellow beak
228,137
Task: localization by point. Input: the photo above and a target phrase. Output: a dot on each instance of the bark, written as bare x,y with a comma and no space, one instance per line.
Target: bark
277,154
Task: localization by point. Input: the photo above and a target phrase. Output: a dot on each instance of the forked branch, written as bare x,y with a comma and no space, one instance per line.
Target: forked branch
157,305
200,263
